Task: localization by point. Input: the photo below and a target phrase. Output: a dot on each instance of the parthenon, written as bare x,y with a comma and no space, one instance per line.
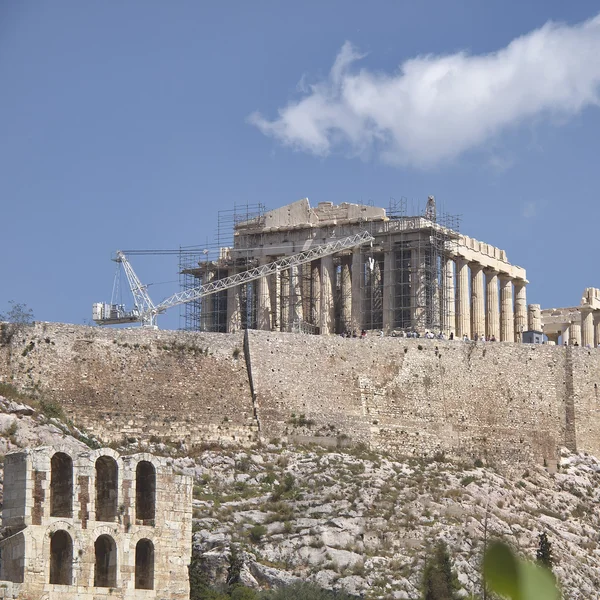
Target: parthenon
419,274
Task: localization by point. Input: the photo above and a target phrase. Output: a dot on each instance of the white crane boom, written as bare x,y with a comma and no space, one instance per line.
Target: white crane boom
146,312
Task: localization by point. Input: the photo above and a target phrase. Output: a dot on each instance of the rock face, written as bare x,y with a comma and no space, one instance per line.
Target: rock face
360,520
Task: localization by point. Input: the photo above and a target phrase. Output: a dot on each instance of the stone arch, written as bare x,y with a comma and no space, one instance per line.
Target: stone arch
144,565
145,492
105,564
107,488
61,558
61,485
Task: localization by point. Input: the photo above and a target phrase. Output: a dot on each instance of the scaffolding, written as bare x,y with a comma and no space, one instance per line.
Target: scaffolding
199,265
400,282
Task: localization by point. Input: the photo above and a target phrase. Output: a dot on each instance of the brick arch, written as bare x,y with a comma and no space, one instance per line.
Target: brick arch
144,564
107,488
61,558
105,561
145,492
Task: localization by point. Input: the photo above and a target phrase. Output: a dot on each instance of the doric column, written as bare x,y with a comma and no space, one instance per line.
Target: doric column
507,324
565,334
206,308
263,301
284,292
234,315
448,297
463,304
597,328
553,337
418,288
295,297
575,333
477,300
275,294
357,300
346,289
534,317
492,311
316,292
327,301
520,309
587,327
388,290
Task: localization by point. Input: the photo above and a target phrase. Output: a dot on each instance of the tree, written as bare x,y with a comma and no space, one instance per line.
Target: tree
439,582
544,551
15,320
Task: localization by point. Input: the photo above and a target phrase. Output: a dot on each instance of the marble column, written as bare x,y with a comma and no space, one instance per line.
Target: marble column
587,327
346,289
388,291
552,338
207,305
275,295
520,309
597,328
263,301
575,333
357,289
507,318
492,310
463,304
565,334
295,297
316,293
234,315
534,317
418,289
327,299
477,300
448,297
284,291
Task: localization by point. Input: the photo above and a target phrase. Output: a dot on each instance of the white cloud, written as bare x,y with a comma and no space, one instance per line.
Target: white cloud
437,107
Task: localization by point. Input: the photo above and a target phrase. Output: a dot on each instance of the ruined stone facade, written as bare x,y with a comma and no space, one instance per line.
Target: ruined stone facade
574,325
94,525
509,403
419,274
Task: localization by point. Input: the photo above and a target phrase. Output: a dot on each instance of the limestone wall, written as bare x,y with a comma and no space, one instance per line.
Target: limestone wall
504,402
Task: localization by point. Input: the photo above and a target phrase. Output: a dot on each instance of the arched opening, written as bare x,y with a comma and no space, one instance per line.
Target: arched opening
145,491
61,558
107,484
105,570
144,565
61,485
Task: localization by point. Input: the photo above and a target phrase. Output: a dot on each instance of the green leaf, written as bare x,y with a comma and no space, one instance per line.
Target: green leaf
501,570
536,582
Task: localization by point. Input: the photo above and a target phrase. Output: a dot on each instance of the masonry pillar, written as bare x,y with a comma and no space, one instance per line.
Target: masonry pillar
388,291
575,333
234,315
565,334
449,326
346,289
263,301
520,309
587,327
463,305
534,317
357,300
477,300
327,324
206,307
507,319
492,311
316,292
552,337
295,297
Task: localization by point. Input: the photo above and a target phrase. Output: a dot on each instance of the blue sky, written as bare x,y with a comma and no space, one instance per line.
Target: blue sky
131,124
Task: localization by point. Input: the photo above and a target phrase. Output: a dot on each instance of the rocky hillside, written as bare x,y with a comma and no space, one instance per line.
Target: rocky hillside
358,520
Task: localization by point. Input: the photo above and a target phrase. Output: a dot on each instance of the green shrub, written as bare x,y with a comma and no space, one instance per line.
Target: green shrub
257,532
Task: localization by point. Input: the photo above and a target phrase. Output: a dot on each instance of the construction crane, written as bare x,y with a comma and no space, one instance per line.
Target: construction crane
146,312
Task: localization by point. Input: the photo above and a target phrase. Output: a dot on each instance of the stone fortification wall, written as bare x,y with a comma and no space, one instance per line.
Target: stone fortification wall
137,383
497,401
